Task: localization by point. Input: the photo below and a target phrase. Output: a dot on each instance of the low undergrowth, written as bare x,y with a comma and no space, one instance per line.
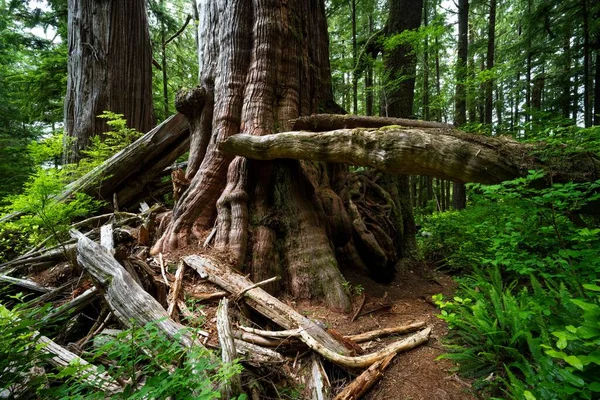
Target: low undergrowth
525,320
142,359
43,219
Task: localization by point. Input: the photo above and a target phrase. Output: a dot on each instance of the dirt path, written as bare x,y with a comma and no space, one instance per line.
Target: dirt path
415,375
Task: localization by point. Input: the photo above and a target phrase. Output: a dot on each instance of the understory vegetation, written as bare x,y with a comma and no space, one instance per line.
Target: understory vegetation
148,364
44,220
524,322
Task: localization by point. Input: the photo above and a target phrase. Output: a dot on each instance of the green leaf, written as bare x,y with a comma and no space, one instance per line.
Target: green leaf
528,395
575,362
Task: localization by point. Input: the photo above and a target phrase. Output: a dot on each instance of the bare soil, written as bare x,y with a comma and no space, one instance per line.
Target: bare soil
417,374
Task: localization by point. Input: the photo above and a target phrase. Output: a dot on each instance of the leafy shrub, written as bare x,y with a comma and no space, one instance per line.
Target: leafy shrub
579,348
528,264
152,365
167,368
43,217
18,354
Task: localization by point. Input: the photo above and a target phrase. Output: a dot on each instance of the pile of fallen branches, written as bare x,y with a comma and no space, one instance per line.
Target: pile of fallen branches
107,274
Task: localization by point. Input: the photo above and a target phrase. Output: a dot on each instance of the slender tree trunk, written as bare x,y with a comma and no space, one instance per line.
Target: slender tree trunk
354,60
471,97
461,91
460,117
565,97
489,86
369,77
163,55
587,86
109,69
400,64
597,74
425,101
400,61
438,84
528,72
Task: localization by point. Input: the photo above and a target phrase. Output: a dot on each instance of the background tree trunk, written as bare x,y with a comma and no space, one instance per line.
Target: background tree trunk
489,85
109,69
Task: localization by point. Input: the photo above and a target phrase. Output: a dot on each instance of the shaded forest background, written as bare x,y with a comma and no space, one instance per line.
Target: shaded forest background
525,321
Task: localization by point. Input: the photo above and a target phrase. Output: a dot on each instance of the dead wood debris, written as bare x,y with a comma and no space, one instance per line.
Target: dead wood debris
122,284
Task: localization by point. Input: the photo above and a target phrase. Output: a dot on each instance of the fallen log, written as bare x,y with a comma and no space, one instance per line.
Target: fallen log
127,172
315,380
77,304
309,332
125,297
330,122
257,355
261,301
62,358
50,296
59,253
233,386
365,381
25,284
441,153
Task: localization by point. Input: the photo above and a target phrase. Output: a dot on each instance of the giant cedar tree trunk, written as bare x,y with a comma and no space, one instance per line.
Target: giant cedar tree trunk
263,64
109,69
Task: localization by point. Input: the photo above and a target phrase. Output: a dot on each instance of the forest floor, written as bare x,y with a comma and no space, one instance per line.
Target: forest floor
416,374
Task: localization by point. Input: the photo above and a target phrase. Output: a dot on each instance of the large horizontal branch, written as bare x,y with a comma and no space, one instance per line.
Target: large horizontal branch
415,151
443,153
330,122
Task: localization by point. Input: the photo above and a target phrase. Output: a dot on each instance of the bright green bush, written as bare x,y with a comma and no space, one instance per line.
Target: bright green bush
153,365
42,216
527,266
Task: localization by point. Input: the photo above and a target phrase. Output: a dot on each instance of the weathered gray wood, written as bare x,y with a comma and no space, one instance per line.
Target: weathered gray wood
25,284
175,290
128,171
417,151
62,358
58,253
309,332
257,355
366,336
77,304
233,387
106,237
315,380
125,297
146,153
260,300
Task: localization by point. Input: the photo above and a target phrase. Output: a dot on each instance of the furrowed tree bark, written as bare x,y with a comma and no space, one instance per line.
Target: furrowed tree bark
456,156
109,69
264,64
